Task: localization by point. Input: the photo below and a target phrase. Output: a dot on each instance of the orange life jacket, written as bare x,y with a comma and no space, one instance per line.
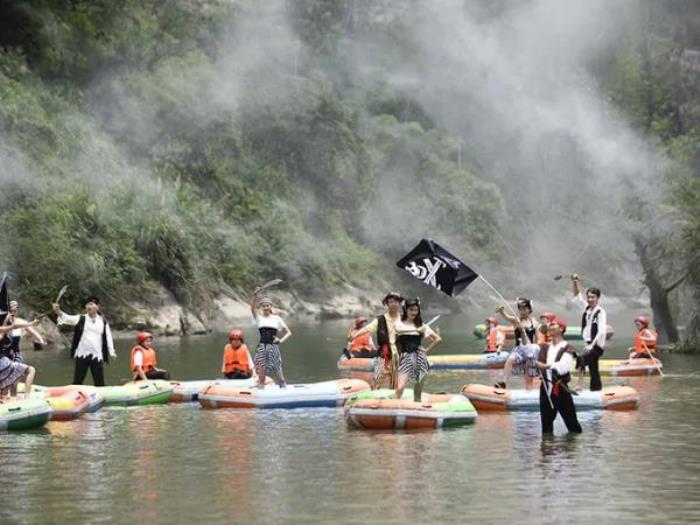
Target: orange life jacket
649,341
148,359
236,359
364,342
492,340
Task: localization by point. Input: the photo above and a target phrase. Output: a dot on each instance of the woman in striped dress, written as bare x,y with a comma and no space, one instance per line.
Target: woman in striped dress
11,371
268,359
413,359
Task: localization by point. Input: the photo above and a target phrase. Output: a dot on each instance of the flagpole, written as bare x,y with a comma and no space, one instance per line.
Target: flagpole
551,404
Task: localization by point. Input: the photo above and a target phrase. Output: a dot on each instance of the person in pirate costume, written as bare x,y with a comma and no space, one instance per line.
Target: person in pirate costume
14,337
524,353
11,370
556,360
594,323
92,344
268,359
383,326
413,358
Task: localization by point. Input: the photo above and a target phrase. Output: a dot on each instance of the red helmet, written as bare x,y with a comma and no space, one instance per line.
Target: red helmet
142,336
562,324
492,320
235,334
550,316
643,319
360,321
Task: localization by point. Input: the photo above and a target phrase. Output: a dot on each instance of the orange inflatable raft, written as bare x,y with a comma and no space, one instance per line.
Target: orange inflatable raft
435,411
66,403
486,398
357,364
325,394
630,368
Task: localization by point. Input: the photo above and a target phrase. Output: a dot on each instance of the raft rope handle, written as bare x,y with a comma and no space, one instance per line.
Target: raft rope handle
14,409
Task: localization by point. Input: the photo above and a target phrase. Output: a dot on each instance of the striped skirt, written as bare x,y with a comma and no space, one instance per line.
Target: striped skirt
268,358
414,365
10,371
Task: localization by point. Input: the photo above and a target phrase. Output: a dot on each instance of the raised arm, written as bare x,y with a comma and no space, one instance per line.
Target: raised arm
63,317
576,284
501,310
254,302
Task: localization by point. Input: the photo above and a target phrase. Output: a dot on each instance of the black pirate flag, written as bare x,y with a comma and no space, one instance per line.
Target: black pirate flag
436,267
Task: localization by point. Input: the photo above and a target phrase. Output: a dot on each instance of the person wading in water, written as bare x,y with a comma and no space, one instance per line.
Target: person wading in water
92,344
557,360
383,326
594,324
268,359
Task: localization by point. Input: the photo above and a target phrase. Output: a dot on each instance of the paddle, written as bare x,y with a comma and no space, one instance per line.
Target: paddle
646,348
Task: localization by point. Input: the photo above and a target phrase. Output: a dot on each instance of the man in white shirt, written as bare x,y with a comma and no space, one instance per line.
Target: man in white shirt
557,360
92,341
594,324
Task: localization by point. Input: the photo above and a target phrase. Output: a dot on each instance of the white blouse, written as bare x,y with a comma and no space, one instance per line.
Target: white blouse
270,321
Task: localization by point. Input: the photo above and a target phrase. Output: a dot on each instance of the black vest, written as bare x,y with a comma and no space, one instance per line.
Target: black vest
78,334
566,348
382,332
594,323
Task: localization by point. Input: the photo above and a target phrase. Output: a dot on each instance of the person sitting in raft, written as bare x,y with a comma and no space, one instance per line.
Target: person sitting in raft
524,353
363,345
387,355
143,359
494,336
413,359
644,340
92,344
557,360
237,363
11,371
268,359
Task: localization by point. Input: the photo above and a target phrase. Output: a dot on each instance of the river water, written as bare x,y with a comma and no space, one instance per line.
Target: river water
181,464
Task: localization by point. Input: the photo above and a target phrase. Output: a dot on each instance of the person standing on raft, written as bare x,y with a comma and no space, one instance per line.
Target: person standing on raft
143,359
413,359
92,344
557,360
237,363
383,326
12,371
594,324
495,338
16,334
525,352
644,340
268,359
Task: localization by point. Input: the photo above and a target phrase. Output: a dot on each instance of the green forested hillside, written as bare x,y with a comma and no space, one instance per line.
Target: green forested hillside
204,145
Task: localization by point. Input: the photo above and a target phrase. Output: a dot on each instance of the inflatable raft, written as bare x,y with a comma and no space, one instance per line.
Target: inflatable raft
188,391
573,333
23,414
629,368
357,364
325,394
136,394
377,410
496,399
468,361
66,403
